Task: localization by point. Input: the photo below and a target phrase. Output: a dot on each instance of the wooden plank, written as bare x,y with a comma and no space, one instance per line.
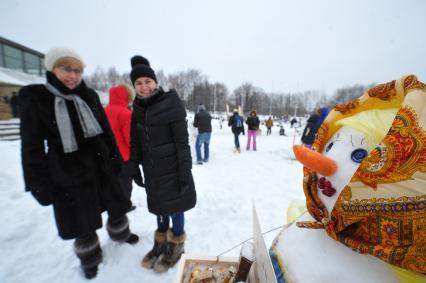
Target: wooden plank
264,272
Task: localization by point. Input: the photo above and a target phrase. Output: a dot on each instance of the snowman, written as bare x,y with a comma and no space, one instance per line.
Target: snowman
365,191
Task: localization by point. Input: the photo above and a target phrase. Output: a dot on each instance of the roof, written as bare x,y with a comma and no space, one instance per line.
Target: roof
20,46
18,78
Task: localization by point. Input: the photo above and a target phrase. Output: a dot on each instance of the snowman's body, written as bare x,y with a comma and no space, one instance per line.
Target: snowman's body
310,255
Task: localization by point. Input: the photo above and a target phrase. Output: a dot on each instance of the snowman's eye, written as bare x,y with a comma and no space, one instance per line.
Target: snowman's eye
358,155
329,146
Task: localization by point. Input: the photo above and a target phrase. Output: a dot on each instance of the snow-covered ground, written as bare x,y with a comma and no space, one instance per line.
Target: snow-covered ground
31,251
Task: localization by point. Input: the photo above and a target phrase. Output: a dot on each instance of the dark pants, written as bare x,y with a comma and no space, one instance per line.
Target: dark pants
178,219
268,132
237,140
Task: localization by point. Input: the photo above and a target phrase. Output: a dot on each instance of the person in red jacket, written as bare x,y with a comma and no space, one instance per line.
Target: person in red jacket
119,116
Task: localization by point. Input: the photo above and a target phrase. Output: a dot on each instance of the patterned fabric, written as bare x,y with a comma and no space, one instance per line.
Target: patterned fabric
382,211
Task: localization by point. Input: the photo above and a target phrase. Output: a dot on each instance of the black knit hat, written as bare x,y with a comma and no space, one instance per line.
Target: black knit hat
141,68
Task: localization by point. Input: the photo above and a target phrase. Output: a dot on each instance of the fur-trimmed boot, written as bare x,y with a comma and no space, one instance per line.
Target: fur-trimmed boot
88,250
160,241
119,231
173,251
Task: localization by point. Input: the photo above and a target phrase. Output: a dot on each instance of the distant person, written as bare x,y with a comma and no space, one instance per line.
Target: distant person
269,124
160,143
282,131
293,122
14,105
221,119
252,127
313,124
203,121
311,128
119,117
78,171
237,126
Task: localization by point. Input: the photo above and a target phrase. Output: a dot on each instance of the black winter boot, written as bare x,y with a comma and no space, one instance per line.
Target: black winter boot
118,228
133,239
91,273
174,250
160,241
88,250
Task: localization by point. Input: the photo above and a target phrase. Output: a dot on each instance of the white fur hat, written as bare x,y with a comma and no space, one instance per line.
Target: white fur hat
57,53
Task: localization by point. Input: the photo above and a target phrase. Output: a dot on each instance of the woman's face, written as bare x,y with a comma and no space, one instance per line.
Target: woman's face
144,86
70,74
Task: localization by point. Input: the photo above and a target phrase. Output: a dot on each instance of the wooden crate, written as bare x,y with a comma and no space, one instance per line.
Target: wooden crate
187,259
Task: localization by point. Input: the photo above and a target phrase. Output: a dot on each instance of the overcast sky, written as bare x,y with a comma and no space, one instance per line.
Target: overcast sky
277,45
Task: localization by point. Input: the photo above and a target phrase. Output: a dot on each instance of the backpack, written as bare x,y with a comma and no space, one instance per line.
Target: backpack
238,121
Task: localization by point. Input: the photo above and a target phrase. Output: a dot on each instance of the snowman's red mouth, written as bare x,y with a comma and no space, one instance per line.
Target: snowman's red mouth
326,187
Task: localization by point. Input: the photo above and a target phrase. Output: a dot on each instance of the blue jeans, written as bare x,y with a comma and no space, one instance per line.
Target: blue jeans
203,138
178,220
237,140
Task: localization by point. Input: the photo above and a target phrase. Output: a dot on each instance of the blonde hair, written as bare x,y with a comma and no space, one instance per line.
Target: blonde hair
374,124
65,61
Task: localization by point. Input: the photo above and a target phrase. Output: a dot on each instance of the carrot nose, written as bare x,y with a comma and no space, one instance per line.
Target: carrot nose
315,160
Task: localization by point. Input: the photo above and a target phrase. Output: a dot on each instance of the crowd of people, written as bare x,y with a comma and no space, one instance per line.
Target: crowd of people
83,159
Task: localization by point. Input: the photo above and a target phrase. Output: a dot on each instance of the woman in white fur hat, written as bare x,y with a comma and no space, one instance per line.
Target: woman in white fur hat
77,171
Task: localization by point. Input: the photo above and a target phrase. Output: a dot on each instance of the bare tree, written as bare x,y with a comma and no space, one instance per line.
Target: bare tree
162,79
346,94
113,77
194,88
183,82
98,80
247,96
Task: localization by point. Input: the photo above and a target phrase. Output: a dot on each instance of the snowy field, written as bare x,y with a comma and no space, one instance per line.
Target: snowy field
31,251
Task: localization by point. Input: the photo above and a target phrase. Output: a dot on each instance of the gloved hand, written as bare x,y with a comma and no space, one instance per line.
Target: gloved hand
138,180
43,195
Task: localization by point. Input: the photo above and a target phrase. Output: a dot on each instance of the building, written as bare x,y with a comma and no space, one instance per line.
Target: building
15,56
19,66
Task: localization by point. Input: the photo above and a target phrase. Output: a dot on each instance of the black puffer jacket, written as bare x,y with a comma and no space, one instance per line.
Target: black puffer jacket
80,184
311,129
253,123
203,121
159,142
